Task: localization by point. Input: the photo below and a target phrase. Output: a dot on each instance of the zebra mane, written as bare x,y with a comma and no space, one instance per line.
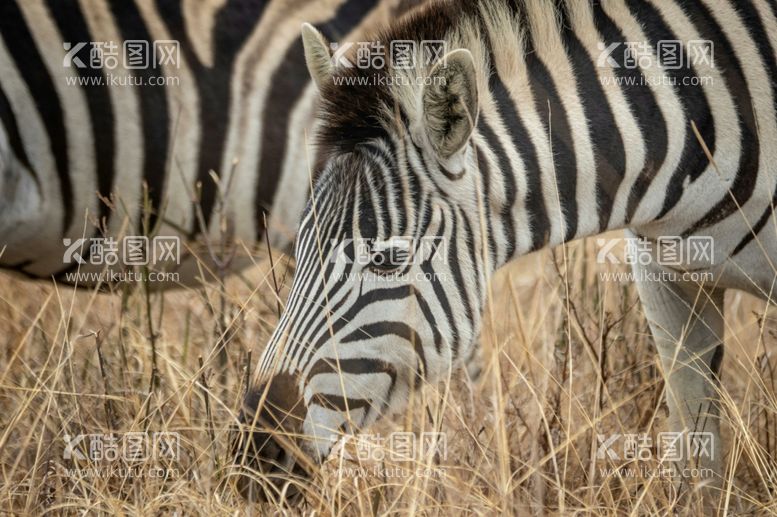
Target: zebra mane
351,113
360,105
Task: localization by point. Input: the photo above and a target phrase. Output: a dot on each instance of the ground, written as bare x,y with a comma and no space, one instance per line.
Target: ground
568,365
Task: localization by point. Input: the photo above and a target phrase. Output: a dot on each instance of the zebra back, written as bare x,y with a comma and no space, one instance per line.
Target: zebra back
202,136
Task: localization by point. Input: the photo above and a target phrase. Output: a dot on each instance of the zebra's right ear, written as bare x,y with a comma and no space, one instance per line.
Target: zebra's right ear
317,55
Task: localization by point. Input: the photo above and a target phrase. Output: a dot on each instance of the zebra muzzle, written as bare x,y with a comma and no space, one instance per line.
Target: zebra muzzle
267,442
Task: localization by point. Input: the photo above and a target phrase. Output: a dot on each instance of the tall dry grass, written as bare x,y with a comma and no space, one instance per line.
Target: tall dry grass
567,356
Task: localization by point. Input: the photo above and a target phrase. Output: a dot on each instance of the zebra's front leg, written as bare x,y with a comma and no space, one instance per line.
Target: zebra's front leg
686,321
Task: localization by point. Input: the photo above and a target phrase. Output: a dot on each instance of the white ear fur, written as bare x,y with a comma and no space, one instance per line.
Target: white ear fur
450,103
317,55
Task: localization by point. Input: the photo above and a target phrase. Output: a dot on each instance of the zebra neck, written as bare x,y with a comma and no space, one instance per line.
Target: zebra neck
551,136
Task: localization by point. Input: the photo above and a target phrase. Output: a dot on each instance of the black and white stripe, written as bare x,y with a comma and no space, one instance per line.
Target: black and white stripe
240,106
562,149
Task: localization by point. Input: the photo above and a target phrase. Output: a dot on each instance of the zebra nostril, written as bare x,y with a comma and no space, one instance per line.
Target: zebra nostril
264,466
265,446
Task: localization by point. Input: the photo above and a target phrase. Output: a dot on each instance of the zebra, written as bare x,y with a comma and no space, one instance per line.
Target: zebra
532,130
82,158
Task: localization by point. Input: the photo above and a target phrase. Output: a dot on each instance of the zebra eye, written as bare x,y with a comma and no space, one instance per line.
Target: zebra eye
389,259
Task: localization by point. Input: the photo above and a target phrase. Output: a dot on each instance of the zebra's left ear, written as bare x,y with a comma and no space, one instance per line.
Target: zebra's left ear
450,103
317,55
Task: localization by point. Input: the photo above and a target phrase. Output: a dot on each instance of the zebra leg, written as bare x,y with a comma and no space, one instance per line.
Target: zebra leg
687,324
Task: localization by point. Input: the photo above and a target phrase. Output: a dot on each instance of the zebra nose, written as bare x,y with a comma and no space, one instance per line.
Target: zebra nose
266,446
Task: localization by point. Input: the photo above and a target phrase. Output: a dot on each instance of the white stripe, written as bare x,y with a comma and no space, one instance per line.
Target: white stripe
581,18
708,187
26,227
199,18
759,85
245,133
671,109
551,51
297,171
78,127
127,130
183,132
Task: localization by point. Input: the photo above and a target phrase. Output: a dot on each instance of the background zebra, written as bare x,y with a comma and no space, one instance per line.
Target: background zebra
78,146
520,138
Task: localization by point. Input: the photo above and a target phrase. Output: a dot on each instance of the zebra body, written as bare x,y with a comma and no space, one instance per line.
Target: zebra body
523,142
127,157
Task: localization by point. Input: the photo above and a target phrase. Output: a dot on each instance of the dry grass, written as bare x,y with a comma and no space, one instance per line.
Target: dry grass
558,370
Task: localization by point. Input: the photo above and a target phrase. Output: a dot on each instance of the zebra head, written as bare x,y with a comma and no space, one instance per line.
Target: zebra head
391,266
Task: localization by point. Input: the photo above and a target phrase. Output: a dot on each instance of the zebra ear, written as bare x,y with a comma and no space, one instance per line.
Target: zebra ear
450,103
317,56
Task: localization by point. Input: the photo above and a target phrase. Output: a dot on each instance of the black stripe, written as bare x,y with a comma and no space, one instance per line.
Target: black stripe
348,16
388,160
232,27
427,170
365,300
354,366
379,184
535,203
289,82
154,112
473,256
508,177
24,52
338,403
451,176
693,161
606,140
455,266
757,227
551,111
716,362
442,300
444,305
736,83
413,183
642,105
368,218
769,212
484,174
424,217
72,26
391,328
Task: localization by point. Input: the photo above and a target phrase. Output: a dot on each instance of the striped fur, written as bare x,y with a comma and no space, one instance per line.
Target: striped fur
92,160
559,151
